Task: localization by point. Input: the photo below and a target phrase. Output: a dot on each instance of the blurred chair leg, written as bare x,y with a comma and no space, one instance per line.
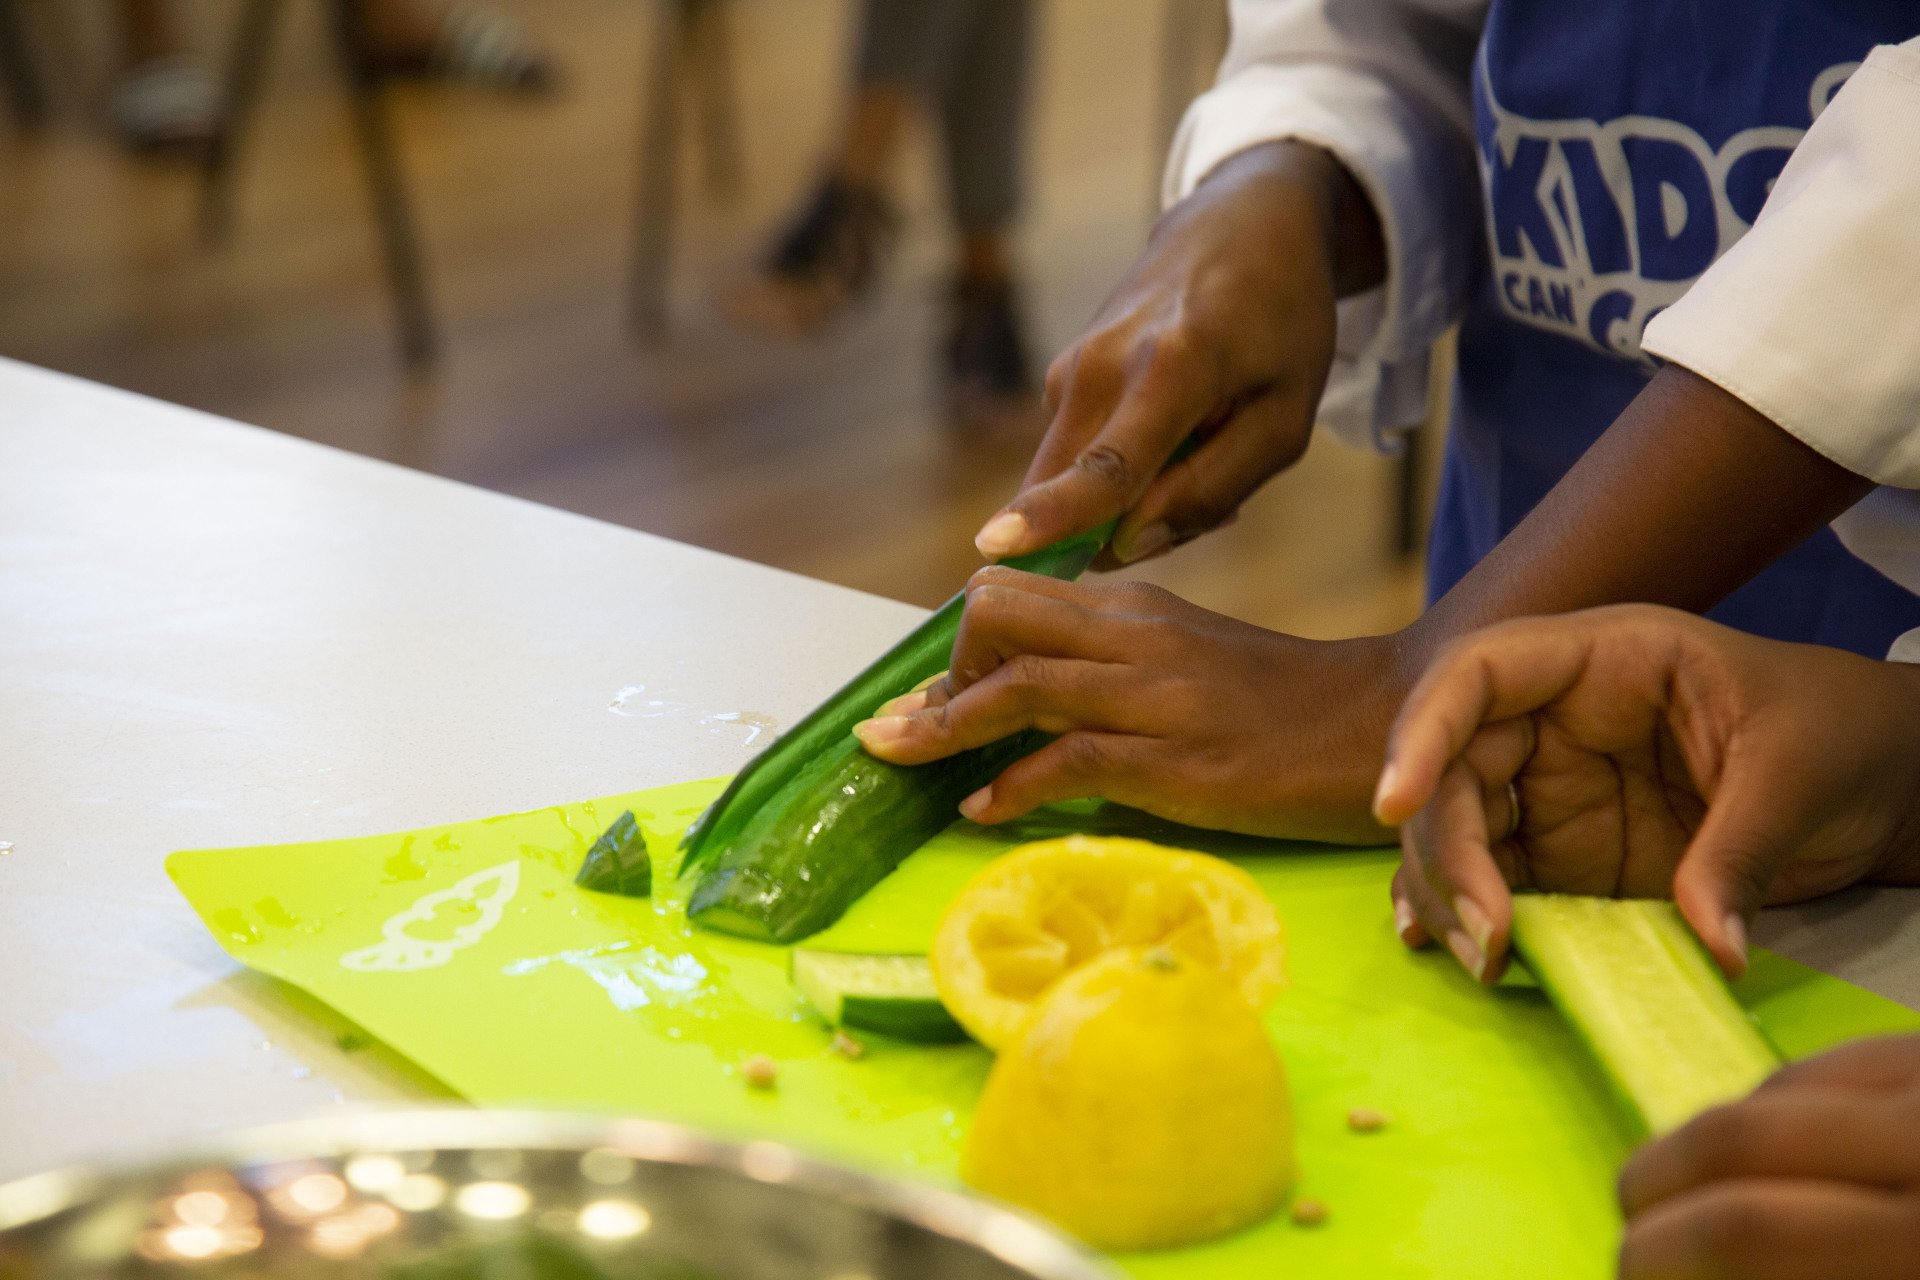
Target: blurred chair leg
711,62
26,92
399,238
1409,485
245,74
659,170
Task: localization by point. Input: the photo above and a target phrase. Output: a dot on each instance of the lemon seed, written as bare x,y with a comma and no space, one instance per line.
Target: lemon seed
1366,1120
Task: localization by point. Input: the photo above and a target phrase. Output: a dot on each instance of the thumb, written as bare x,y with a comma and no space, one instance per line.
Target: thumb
1746,840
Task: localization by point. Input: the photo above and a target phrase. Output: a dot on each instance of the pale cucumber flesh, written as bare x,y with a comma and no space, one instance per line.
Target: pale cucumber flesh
890,994
1640,990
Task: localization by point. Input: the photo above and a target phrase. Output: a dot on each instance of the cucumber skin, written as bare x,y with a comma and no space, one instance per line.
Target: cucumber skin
832,833
925,651
618,863
1542,930
919,1018
920,1023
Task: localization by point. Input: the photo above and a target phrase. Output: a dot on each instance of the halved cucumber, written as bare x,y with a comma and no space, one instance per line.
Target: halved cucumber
1638,987
891,994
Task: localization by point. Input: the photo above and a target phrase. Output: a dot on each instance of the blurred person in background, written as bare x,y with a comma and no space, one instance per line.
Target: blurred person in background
164,100
965,65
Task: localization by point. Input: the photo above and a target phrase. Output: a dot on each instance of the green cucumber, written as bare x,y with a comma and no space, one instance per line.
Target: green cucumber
1638,987
832,833
889,994
618,861
925,652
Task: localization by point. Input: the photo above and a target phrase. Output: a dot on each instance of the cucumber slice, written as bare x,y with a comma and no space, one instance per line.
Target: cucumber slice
1638,987
618,862
893,995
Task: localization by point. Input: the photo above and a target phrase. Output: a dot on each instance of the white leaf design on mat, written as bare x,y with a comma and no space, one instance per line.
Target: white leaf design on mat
486,892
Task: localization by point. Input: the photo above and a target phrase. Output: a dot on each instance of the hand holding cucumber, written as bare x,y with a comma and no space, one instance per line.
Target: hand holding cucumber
1652,754
1223,329
1816,1175
1155,703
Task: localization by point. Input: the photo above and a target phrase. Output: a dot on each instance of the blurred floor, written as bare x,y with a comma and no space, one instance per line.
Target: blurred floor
827,459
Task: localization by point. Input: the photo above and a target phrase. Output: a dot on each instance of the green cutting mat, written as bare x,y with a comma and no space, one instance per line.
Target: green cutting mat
468,949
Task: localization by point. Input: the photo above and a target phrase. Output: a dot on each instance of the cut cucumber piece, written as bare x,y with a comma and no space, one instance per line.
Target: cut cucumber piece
924,652
893,995
1638,987
618,862
838,829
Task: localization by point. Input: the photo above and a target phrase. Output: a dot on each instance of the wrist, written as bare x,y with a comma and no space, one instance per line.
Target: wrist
1289,183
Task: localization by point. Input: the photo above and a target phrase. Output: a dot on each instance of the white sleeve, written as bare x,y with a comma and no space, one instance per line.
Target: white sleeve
1385,86
1813,317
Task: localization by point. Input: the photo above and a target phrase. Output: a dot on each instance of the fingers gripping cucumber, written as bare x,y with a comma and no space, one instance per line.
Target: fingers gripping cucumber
925,652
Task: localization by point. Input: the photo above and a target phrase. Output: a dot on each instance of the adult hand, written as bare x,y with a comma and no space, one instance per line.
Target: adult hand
1158,704
1815,1176
1224,328
1651,753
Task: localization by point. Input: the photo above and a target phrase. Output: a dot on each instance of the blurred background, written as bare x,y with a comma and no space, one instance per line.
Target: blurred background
586,252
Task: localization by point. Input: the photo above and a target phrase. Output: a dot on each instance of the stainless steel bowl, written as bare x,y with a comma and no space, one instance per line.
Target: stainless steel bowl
453,1195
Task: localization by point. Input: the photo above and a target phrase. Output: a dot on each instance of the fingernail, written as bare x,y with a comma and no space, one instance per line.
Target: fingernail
929,682
1471,958
1002,535
1388,776
881,730
904,705
1404,920
976,804
1737,935
1145,543
1479,928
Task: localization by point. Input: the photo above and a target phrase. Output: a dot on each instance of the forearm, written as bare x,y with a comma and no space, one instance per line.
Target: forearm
1689,493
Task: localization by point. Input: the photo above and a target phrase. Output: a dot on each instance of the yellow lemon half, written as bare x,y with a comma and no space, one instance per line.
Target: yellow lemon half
1140,1106
1043,910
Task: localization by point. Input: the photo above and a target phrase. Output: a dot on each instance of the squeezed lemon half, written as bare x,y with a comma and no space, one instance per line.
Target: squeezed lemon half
1045,910
1139,1104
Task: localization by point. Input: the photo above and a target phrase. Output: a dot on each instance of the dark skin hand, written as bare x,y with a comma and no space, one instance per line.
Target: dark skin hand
1653,754
1687,495
1815,1176
1160,704
1224,329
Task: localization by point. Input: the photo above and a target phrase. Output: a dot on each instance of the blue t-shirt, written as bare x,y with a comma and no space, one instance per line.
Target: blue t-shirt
1623,147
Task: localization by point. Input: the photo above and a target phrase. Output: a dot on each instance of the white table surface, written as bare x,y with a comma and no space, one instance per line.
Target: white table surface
215,635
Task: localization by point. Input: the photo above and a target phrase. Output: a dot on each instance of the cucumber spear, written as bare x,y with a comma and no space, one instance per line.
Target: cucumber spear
925,652
1640,990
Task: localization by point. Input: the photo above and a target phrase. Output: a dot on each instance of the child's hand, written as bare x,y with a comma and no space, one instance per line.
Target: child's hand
1158,704
1224,327
1816,1176
1651,753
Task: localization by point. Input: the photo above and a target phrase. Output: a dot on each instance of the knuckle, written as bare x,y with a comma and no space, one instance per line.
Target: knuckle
1027,676
1712,1143
1087,755
1107,466
1146,598
1169,351
1731,1228
992,596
